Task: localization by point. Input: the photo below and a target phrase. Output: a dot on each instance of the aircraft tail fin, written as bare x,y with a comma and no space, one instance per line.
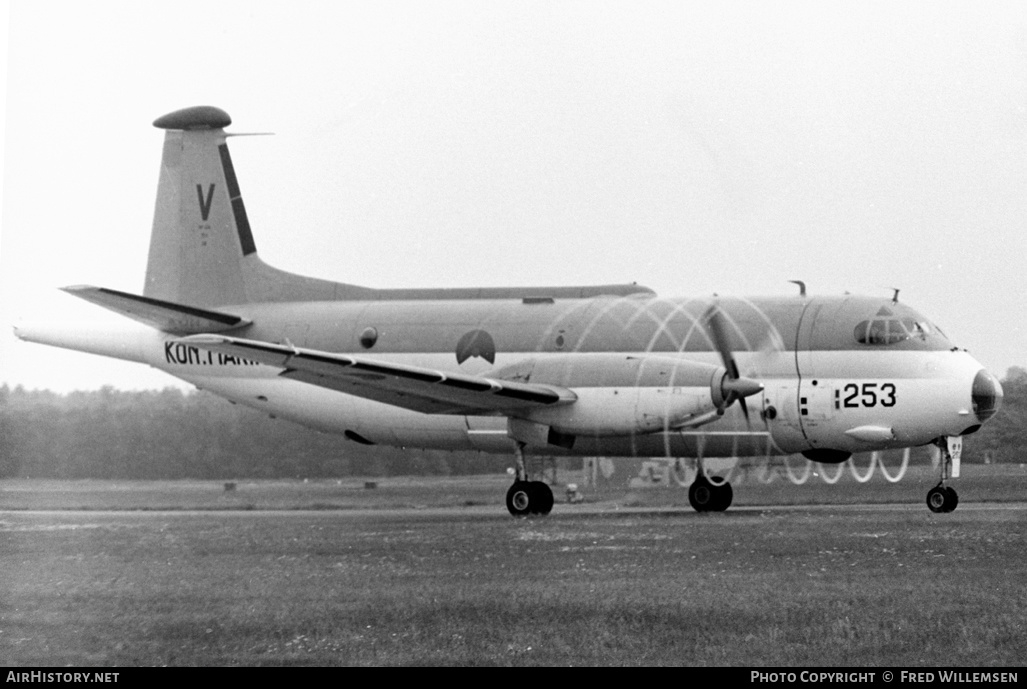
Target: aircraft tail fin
202,251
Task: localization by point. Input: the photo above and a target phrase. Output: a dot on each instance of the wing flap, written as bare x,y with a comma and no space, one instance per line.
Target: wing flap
411,387
163,315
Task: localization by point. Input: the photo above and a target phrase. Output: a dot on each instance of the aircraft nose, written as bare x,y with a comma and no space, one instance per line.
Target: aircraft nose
986,395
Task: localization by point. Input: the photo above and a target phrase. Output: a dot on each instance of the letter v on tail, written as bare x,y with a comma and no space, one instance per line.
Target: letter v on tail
205,203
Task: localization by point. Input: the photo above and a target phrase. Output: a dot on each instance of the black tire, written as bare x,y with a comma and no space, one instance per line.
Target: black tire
702,496
723,495
953,501
520,498
938,499
542,498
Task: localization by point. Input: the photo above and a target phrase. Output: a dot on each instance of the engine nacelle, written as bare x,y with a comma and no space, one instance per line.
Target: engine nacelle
619,411
621,395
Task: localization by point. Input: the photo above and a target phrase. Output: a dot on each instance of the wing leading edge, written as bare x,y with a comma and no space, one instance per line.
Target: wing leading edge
411,387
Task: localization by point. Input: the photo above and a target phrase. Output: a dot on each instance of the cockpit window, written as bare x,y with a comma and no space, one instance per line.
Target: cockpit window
886,331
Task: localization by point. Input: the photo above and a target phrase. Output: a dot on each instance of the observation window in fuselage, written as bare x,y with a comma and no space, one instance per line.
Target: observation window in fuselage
886,331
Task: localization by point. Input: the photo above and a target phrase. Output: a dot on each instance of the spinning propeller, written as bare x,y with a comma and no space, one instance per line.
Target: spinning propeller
733,387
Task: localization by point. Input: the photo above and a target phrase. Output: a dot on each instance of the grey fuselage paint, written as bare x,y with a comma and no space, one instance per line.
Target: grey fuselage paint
773,338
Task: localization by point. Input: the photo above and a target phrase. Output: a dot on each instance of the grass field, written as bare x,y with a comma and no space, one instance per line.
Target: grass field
824,586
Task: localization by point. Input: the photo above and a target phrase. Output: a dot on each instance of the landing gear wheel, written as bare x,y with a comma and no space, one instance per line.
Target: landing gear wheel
942,499
529,497
705,496
701,494
544,497
518,499
953,497
725,494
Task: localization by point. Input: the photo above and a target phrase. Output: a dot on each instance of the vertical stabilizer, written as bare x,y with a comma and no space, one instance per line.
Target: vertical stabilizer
200,231
202,252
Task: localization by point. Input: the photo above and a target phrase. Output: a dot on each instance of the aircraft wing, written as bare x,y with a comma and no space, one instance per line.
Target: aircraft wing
411,387
163,315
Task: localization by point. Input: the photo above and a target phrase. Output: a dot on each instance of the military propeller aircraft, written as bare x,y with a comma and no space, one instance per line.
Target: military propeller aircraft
608,370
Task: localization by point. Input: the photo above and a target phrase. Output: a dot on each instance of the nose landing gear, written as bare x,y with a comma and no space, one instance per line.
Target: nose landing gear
943,498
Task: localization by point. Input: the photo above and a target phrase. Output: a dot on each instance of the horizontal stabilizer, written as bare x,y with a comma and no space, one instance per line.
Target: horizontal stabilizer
163,315
411,387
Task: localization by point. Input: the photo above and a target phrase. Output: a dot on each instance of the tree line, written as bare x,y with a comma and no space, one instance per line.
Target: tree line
170,434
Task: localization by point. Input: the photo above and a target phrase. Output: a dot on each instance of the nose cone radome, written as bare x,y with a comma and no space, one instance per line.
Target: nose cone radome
986,395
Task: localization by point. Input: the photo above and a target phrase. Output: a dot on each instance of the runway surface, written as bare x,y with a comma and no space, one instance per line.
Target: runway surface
492,512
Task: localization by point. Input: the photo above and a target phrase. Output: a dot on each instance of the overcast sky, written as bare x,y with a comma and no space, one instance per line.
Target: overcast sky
693,147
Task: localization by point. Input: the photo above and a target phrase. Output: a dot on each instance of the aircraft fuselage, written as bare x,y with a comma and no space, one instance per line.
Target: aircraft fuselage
827,384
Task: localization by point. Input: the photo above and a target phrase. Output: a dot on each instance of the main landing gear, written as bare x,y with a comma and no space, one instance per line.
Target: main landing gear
943,498
706,495
528,498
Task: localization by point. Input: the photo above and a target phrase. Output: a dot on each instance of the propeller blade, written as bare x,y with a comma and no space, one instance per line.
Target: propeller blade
733,387
718,332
